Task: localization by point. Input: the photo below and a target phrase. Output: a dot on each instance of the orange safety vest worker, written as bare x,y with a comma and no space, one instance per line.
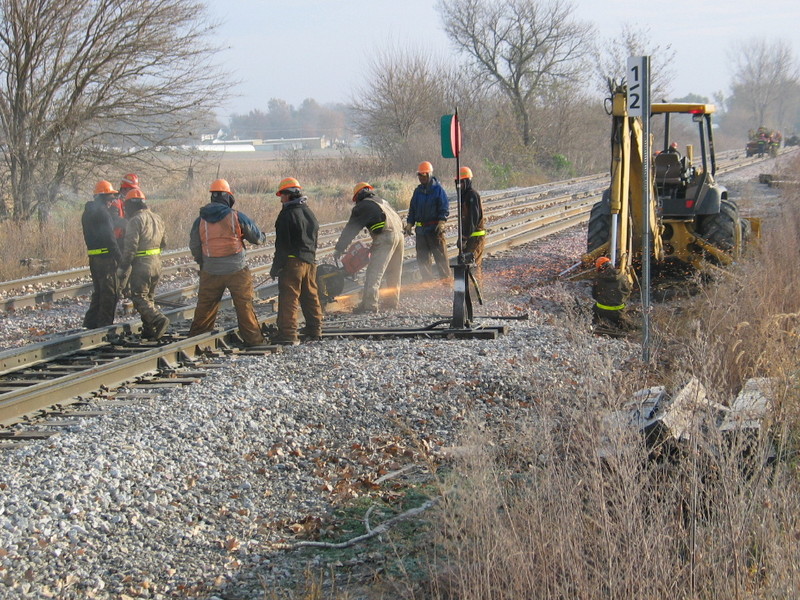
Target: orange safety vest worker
222,238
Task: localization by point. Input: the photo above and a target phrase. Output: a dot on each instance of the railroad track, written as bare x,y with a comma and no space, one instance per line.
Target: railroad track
38,379
52,287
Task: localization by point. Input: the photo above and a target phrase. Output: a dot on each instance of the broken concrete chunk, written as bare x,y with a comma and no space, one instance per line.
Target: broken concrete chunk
751,405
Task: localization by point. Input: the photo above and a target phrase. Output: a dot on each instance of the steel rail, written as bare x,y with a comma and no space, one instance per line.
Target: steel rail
520,199
503,235
65,388
47,393
492,201
184,254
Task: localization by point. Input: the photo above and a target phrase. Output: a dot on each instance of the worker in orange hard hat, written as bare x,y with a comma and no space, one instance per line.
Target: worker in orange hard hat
104,254
140,264
216,241
610,290
473,233
386,253
427,217
295,265
117,208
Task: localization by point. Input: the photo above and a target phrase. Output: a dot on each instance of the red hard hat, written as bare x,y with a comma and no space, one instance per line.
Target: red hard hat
674,145
600,262
130,181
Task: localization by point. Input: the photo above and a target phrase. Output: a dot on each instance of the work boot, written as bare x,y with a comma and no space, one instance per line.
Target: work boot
161,329
285,342
365,310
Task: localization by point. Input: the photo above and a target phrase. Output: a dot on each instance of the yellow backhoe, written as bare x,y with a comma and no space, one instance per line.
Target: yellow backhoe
692,220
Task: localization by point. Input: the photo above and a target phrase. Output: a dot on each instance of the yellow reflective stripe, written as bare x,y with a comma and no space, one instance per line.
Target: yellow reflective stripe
98,251
604,307
478,233
419,224
292,256
149,252
378,226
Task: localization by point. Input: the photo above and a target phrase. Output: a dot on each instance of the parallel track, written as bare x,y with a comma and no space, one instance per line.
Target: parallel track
496,206
60,371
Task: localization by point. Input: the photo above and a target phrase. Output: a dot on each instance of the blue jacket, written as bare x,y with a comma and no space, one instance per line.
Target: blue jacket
429,205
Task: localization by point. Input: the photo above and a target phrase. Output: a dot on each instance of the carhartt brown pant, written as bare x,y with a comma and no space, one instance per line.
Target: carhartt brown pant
476,244
240,285
297,284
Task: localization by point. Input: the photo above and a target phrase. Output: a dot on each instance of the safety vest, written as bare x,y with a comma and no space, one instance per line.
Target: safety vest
223,238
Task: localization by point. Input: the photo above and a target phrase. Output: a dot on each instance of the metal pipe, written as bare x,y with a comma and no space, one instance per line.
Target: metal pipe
612,247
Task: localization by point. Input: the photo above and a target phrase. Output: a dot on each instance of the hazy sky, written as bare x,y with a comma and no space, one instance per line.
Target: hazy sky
321,49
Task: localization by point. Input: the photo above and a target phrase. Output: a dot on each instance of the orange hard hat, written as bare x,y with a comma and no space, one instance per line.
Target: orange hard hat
130,181
465,173
286,183
425,167
598,264
135,193
104,187
674,145
361,185
220,185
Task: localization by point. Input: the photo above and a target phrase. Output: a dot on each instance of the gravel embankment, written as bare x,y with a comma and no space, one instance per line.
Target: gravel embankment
187,493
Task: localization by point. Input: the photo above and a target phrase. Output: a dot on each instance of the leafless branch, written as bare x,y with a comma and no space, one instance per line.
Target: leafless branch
380,529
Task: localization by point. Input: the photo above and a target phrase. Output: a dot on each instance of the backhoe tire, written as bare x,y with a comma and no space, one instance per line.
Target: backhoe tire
720,229
599,229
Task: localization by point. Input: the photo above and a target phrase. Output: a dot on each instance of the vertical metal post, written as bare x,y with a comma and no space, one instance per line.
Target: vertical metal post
638,101
459,243
647,189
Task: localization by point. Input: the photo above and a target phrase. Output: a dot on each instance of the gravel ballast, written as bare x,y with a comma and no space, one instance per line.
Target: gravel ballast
194,491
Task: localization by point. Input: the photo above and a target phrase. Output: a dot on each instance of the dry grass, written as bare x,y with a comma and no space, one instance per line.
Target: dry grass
328,182
545,517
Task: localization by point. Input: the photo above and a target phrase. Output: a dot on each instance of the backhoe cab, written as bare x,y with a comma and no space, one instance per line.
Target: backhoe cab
692,219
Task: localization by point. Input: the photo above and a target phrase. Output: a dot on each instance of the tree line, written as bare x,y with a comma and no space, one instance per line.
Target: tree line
98,84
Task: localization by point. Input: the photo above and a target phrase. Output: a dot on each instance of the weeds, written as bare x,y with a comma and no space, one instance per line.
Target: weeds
177,197
715,519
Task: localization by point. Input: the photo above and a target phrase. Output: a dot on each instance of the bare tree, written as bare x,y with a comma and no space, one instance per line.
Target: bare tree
95,82
520,46
404,94
612,56
765,73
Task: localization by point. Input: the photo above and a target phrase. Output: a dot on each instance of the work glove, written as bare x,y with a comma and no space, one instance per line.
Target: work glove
440,227
408,228
274,272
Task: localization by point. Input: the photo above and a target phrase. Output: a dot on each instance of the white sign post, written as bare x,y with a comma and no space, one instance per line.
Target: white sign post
639,106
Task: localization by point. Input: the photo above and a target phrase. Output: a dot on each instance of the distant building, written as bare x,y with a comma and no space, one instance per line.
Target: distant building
274,145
